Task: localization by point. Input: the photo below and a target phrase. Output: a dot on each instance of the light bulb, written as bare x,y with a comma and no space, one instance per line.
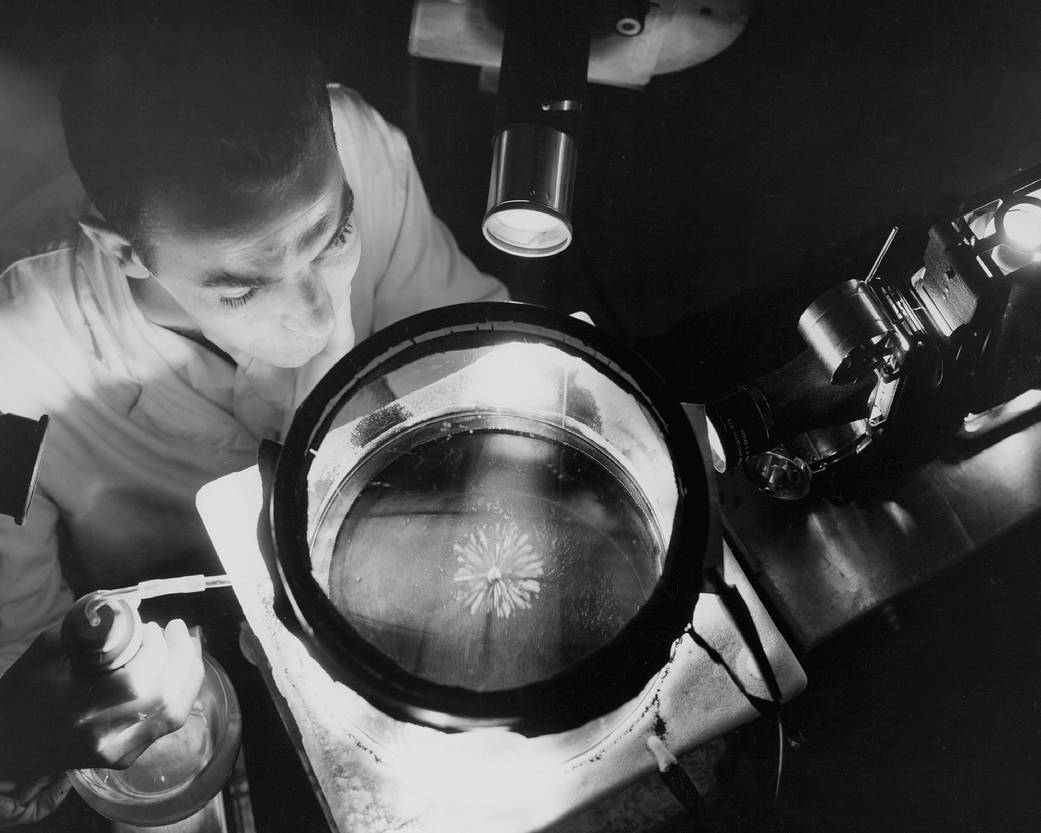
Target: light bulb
1020,224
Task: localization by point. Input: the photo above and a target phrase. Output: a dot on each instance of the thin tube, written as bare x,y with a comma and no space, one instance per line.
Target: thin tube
153,588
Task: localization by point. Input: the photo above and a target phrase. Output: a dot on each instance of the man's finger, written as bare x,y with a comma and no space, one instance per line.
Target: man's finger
182,677
175,691
128,745
147,665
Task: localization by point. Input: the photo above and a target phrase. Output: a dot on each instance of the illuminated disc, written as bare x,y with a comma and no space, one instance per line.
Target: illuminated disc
1021,225
527,232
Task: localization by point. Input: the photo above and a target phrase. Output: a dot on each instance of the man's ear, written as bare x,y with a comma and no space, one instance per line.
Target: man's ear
116,245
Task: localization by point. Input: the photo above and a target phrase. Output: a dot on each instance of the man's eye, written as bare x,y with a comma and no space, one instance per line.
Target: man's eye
342,236
235,301
338,242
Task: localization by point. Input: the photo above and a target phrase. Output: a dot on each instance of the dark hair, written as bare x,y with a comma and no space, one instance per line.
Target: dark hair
185,98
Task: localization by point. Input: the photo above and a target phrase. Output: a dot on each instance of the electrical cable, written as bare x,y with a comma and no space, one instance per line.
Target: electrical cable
780,757
735,606
675,777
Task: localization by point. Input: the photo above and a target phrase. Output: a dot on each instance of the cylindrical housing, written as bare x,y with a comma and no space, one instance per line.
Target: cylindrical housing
21,442
848,330
545,61
741,424
531,190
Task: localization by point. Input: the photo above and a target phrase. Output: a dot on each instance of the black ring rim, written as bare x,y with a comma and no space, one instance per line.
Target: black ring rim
598,683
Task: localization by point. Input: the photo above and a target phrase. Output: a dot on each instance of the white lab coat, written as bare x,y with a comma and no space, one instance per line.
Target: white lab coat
142,417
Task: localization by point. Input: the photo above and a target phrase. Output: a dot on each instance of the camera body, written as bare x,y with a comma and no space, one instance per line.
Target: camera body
953,347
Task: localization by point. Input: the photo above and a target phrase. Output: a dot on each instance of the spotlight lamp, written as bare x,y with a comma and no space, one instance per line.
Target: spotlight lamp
542,53
545,60
1018,222
532,182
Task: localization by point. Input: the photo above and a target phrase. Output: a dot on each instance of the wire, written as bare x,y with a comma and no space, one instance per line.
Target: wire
742,619
780,757
675,778
136,593
735,606
766,708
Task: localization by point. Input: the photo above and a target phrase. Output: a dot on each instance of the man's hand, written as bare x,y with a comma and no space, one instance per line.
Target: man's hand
54,717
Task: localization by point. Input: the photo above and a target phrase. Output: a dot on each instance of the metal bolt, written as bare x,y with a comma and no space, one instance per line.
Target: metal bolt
628,26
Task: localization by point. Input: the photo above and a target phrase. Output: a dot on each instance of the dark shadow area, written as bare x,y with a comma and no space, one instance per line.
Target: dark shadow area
926,716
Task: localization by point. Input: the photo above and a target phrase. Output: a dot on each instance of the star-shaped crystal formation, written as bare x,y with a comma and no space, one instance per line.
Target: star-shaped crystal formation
498,570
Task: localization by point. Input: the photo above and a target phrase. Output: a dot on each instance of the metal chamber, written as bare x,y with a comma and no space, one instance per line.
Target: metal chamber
490,515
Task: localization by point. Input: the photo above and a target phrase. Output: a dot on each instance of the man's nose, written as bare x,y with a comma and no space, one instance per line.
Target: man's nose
310,311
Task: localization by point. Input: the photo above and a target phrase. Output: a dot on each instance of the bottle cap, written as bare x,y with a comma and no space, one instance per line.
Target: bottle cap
101,634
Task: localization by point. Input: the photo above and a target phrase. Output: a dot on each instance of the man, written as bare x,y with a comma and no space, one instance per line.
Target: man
249,227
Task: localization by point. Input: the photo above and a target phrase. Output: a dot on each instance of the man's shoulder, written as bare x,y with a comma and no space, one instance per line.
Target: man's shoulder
37,282
367,141
352,108
38,318
347,101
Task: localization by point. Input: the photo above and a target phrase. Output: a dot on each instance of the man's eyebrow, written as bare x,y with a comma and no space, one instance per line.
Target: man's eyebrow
227,280
346,209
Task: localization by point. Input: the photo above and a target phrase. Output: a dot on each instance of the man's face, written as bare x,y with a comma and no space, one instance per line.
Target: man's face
264,273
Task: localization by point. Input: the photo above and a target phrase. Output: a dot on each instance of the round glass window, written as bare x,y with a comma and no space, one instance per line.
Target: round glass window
480,511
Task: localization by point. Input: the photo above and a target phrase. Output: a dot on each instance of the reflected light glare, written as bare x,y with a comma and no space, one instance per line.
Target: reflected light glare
1013,463
1024,402
1001,414
527,231
901,518
484,774
715,444
523,376
1022,226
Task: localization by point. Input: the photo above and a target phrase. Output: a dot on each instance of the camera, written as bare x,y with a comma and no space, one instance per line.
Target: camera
951,347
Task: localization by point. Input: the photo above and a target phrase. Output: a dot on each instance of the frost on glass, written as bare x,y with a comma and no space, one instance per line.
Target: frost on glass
488,516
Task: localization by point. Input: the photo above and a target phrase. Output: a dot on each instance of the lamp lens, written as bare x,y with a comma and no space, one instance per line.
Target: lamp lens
1022,226
527,232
